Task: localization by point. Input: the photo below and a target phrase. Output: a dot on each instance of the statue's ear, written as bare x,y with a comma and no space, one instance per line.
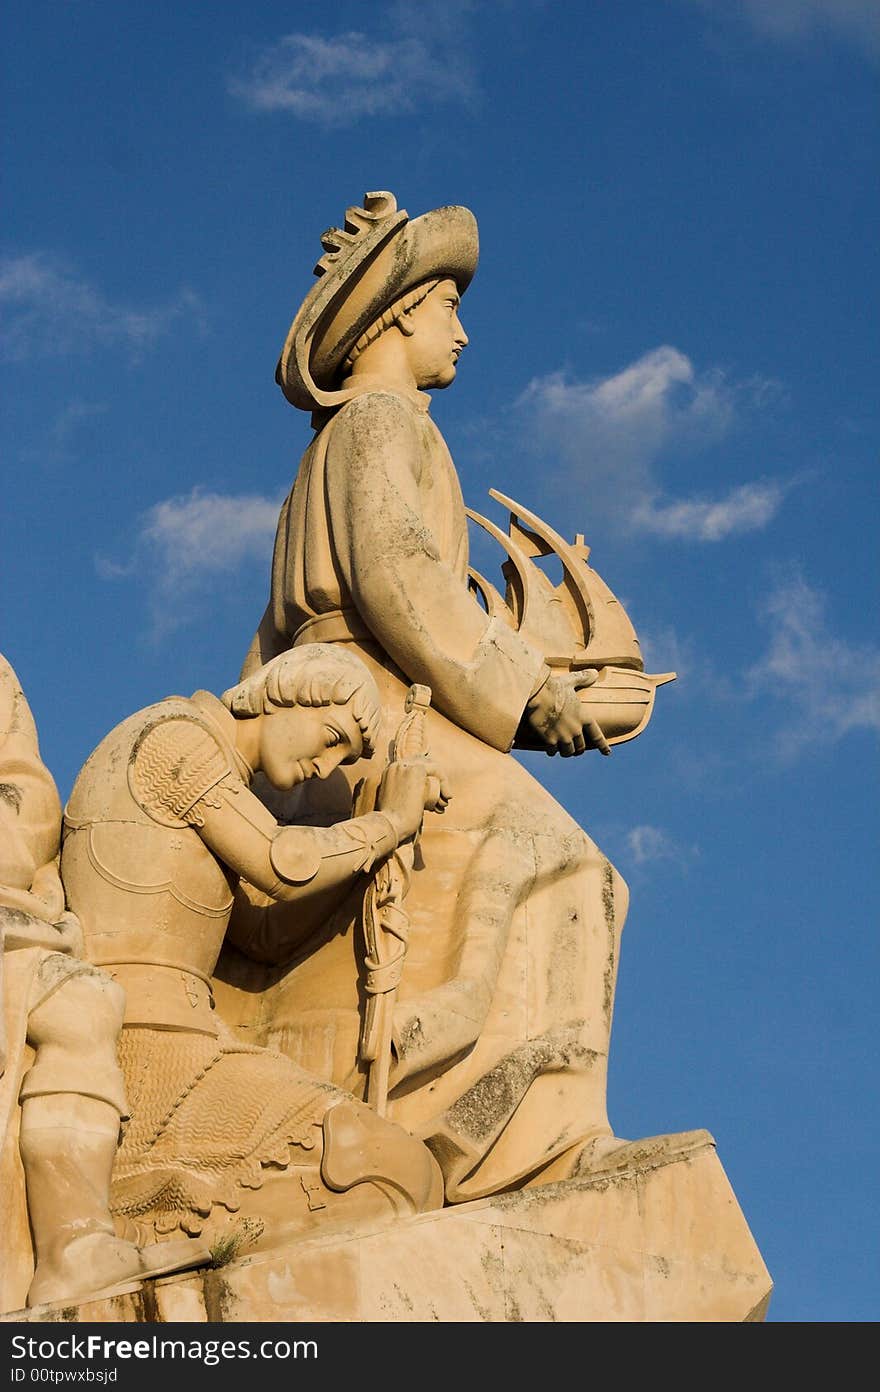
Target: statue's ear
405,324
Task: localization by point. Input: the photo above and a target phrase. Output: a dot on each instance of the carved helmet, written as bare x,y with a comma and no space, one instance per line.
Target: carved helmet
374,259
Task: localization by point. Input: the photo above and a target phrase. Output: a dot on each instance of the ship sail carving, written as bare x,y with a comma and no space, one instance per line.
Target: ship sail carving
576,624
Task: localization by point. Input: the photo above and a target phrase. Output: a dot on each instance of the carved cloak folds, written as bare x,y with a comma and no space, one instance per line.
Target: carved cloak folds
503,1016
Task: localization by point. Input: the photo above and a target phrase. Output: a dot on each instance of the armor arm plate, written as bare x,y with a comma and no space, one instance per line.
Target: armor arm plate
288,863
264,930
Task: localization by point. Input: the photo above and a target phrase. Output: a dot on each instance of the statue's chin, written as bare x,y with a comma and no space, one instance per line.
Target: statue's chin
438,380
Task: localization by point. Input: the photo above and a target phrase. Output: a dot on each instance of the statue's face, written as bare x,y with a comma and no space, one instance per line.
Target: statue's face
300,742
437,338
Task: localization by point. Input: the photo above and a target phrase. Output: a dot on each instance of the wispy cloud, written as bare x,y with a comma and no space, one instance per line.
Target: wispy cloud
340,79
745,509
649,844
831,686
184,543
48,308
664,650
57,442
610,433
856,22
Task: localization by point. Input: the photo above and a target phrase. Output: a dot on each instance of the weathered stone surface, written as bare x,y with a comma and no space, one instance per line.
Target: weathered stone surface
667,1243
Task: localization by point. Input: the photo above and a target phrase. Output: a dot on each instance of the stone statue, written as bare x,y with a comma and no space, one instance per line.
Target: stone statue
227,1138
502,1014
61,1089
321,973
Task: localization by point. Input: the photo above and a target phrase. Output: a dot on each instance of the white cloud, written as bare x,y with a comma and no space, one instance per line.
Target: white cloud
831,686
184,543
610,433
854,21
207,532
338,80
48,308
649,844
745,509
611,430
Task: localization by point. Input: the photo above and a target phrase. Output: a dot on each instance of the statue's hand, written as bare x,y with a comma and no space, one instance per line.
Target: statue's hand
437,792
409,787
559,719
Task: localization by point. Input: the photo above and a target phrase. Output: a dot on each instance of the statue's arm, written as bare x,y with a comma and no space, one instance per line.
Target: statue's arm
288,863
300,865
480,672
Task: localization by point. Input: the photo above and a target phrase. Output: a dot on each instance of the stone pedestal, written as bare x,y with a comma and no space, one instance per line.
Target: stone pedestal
666,1243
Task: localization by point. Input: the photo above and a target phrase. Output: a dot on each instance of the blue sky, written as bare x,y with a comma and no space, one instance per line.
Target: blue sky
673,350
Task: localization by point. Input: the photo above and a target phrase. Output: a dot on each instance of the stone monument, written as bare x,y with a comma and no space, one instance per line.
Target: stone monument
369,963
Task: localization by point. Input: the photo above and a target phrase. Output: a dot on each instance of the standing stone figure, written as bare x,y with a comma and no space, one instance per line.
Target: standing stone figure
61,1089
503,1014
157,830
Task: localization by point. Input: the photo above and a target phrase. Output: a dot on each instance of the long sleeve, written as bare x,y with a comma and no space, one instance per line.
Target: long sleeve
384,470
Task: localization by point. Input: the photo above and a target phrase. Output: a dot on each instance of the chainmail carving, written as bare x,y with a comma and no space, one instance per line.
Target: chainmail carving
176,763
208,1115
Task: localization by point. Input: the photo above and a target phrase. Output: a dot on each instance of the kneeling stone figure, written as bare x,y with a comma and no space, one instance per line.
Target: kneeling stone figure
159,827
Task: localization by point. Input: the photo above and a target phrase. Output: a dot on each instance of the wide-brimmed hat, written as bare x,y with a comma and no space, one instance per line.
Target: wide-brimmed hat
377,256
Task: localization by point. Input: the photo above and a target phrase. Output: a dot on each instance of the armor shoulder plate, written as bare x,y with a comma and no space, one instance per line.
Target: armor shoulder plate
174,763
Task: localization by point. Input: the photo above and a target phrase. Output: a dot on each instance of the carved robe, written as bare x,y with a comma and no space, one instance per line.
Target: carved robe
503,1015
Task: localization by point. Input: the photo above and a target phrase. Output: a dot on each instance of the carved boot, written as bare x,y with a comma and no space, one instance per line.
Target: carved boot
67,1146
362,1148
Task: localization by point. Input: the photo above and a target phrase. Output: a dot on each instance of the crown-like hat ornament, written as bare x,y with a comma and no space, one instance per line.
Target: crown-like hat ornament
377,209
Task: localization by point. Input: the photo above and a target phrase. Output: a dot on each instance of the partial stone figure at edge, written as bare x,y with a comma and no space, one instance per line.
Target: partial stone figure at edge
62,1095
225,1136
